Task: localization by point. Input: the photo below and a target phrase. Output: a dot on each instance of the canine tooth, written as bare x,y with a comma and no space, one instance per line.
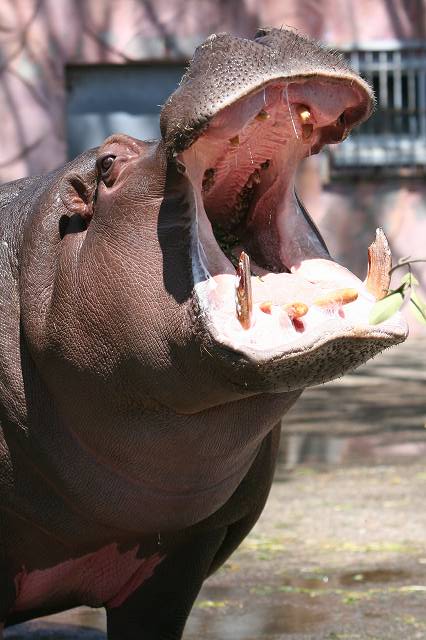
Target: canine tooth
243,297
379,265
338,296
307,130
235,141
304,113
296,309
266,307
262,115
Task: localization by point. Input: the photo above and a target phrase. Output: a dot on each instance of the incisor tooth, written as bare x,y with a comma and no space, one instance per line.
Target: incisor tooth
243,292
338,296
379,265
296,309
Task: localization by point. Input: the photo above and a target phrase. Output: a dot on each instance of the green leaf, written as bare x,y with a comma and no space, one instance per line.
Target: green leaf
409,280
385,308
418,307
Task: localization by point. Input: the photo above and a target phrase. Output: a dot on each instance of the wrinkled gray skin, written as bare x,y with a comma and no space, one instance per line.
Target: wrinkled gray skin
127,431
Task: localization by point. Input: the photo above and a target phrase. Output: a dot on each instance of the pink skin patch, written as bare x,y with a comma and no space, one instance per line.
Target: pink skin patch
104,578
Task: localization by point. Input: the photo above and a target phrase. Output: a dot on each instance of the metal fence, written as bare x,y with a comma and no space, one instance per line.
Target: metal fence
395,136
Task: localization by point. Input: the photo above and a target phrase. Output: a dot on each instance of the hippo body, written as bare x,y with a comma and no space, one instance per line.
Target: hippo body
145,362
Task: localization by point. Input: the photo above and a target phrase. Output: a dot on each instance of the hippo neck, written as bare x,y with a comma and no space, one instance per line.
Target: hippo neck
154,470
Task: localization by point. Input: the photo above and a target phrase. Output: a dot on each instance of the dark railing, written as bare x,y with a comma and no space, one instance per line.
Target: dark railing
395,136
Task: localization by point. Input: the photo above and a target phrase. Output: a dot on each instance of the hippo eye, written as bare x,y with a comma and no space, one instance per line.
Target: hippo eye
106,163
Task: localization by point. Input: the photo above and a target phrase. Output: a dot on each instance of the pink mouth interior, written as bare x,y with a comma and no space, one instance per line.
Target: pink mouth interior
242,169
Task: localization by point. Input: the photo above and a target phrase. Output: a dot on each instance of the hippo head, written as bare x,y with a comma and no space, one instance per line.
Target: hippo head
186,272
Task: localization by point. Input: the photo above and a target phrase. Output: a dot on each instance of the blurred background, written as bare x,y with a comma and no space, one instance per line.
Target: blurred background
340,551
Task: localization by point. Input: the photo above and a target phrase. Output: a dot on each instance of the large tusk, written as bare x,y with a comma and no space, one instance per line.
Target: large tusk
243,292
379,266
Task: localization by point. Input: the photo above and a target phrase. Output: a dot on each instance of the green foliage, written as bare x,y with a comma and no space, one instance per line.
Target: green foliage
390,304
385,308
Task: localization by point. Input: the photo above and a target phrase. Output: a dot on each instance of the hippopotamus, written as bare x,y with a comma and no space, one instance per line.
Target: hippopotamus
163,304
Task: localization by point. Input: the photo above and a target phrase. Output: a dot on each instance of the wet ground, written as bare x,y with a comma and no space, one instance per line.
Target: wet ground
340,551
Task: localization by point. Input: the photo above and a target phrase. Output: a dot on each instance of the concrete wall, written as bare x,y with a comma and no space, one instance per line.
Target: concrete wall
38,38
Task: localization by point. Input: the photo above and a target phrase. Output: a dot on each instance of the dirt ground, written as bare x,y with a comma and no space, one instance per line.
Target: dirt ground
340,550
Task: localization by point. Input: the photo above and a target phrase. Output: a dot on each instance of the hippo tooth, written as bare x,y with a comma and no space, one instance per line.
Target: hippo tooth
304,113
338,296
235,141
243,297
307,130
296,309
379,265
262,115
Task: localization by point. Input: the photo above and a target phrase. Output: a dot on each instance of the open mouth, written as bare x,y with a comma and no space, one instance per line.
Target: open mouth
263,274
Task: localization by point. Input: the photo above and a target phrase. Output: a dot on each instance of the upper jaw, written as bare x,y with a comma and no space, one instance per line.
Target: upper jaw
253,148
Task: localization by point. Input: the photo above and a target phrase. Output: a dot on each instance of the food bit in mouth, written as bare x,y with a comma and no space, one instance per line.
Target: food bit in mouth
208,179
296,309
244,199
337,297
379,266
298,325
235,141
254,178
243,292
266,307
262,115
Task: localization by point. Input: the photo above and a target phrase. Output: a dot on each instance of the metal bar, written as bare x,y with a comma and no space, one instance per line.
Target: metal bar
383,89
396,135
422,101
412,120
397,91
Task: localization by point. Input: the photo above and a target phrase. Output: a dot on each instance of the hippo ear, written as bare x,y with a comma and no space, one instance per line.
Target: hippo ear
78,196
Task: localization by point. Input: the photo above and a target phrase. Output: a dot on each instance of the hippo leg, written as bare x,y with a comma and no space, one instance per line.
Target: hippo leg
158,610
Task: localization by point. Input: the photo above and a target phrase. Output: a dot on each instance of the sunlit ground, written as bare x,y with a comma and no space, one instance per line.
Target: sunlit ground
340,551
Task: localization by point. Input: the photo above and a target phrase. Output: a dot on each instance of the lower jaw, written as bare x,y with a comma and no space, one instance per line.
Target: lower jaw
273,331
302,360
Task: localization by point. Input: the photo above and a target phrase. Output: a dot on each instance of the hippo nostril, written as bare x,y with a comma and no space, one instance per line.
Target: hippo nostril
341,120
